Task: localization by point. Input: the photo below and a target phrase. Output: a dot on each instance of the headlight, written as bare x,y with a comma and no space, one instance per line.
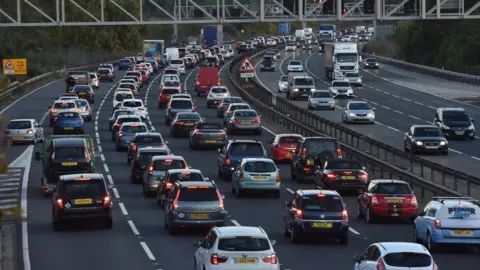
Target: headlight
376,64
333,90
331,101
295,90
371,114
359,80
419,143
471,127
351,114
443,143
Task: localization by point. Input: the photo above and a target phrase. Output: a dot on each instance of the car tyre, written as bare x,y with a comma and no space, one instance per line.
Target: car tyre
294,235
369,216
359,211
344,239
108,223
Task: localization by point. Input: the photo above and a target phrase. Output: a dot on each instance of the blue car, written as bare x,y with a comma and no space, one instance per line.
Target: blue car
234,151
448,220
126,64
68,122
127,132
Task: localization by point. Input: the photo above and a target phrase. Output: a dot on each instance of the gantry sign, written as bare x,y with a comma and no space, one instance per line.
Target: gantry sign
38,13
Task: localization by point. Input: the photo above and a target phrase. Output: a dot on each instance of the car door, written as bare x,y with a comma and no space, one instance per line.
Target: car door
369,259
236,174
421,223
408,138
296,156
271,145
205,250
430,218
365,199
221,158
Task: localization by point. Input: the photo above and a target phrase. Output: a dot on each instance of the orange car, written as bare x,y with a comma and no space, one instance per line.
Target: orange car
166,95
283,146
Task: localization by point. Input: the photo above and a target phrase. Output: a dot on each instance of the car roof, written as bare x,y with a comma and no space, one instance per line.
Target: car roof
358,102
69,142
184,170
245,110
128,116
334,81
184,99
168,157
64,101
72,177
321,91
452,109
230,231
152,149
15,120
148,134
257,159
134,123
195,183
289,135
424,126
132,99
384,181
307,192
394,247
243,141
239,104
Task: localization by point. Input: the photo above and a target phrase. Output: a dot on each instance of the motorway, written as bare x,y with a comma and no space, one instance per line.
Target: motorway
396,108
138,240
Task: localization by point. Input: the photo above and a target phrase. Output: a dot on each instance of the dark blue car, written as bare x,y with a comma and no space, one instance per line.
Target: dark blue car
234,151
69,122
126,64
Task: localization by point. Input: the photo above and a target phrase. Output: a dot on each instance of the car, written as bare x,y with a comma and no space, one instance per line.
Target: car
85,92
136,74
149,68
231,108
136,105
133,79
448,221
395,255
84,109
268,64
245,121
271,55
271,42
120,120
94,82
121,95
176,106
60,106
105,74
225,54
107,66
131,86
321,99
127,132
189,63
354,78
144,139
23,131
145,77
143,157
301,43
221,59
316,212
294,66
180,96
113,117
125,64
236,150
387,198
370,63
358,112
194,204
165,96
225,102
184,123
454,123
172,85
277,53
312,152
425,139
173,175
216,94
341,88
172,71
307,47
256,174
81,196
283,83
155,66
178,64
169,78
157,168
221,243
66,96
282,146
341,175
207,135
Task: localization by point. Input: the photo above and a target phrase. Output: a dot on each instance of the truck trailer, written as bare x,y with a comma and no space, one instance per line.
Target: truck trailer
340,58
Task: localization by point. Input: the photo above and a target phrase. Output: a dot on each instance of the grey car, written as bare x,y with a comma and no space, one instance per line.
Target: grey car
245,120
154,176
226,101
207,135
321,99
24,131
115,115
358,112
354,78
184,123
173,175
84,109
341,88
178,105
194,204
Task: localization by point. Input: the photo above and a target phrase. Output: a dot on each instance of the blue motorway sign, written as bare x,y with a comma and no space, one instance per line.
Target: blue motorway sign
174,36
284,28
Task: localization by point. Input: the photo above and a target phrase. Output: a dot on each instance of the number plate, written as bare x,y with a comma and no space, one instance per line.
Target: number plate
260,177
348,177
459,132
18,137
82,94
82,201
246,122
189,124
324,225
394,201
462,233
198,215
210,141
69,163
245,260
68,128
289,155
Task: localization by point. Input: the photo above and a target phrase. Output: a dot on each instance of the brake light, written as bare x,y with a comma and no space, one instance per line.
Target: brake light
227,161
304,152
120,134
193,108
339,153
168,185
278,178
209,94
374,200
241,177
299,214
381,265
60,204
6,132
141,108
53,110
134,148
435,267
256,121
220,198
218,83
215,259
332,175
224,106
437,224
198,133
175,201
198,83
80,120
414,200
363,176
179,123
270,259
107,201
344,215
229,113
117,125
235,121
221,132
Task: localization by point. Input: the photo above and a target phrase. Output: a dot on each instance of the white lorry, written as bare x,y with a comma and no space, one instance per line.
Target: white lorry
340,58
298,34
307,35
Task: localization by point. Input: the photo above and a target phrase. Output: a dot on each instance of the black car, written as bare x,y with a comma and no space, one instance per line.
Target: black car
142,159
144,139
234,151
105,74
307,47
455,123
268,64
207,135
184,123
84,92
347,175
311,153
81,196
370,63
226,101
242,48
301,43
316,212
174,175
425,139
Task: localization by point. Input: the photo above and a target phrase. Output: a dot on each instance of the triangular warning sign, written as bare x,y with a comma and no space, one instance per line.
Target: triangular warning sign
246,66
9,65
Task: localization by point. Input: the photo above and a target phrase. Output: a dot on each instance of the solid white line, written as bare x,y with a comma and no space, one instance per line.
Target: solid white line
132,226
235,223
353,230
268,130
395,96
398,112
455,151
392,128
24,213
110,179
106,167
115,193
289,190
123,209
414,117
474,157
147,251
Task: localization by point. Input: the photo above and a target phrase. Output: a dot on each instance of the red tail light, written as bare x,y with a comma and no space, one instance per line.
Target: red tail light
29,131
332,175
198,83
435,267
60,203
235,121
107,201
414,200
179,123
215,259
193,108
345,215
224,106
304,152
362,176
141,108
256,121
220,198
198,133
227,161
229,113
80,121
209,94
374,200
241,177
278,178
120,134
218,83
437,224
134,148
299,214
381,265
339,153
270,259
175,201
168,185
6,132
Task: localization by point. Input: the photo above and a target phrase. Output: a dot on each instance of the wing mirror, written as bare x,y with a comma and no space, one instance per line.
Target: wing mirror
198,244
207,178
222,196
219,150
472,120
38,156
357,258
273,242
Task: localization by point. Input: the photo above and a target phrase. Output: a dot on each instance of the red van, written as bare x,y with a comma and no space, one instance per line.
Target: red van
207,77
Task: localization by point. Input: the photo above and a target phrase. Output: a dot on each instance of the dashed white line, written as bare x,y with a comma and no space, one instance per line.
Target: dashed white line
147,251
100,149
406,99
395,96
374,103
392,128
289,190
416,102
385,107
399,112
102,157
235,223
115,193
414,117
106,168
474,157
133,227
456,151
378,123
431,107
353,230
123,209
110,179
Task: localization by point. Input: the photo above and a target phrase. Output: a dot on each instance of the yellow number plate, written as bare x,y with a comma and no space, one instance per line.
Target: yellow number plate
198,215
83,201
82,94
462,233
310,161
68,128
210,141
348,177
220,95
394,201
18,137
245,260
69,163
246,122
324,225
260,177
189,124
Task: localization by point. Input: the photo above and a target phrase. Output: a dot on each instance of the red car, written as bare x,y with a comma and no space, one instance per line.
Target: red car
283,146
165,96
145,77
207,77
387,198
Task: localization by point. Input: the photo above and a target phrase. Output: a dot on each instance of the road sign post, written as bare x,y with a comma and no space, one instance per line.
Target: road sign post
246,69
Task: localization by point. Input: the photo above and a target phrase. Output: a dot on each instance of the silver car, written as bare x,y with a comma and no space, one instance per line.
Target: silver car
84,109
24,131
114,116
341,88
216,94
358,112
244,120
321,99
283,83
354,78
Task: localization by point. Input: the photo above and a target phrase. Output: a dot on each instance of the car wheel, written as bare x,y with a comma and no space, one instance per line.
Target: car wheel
430,245
108,223
294,235
369,216
344,239
359,210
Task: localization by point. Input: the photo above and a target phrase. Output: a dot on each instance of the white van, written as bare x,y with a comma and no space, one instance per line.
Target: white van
172,53
179,64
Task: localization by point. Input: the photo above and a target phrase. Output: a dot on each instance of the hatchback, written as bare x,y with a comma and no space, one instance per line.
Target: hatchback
24,130
69,122
256,174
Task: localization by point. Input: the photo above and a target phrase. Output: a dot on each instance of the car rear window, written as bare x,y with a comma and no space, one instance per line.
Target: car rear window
392,188
407,259
81,88
198,194
122,96
64,105
212,59
82,189
359,106
260,167
172,83
81,103
322,203
246,149
92,76
240,113
340,84
371,60
128,120
343,164
136,128
219,90
133,73
239,107
168,164
242,243
170,91
132,104
182,104
188,116
148,139
118,113
69,153
19,125
209,126
147,156
315,147
176,62
186,177
289,139
231,100
68,115
170,71
127,85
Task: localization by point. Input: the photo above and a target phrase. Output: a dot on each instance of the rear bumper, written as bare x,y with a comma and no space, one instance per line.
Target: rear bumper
306,227
394,212
20,138
84,214
257,187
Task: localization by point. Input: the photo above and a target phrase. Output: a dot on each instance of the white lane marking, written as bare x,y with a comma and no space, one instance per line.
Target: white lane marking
416,102
414,117
455,151
106,168
235,223
43,118
353,230
385,107
392,128
398,112
110,179
395,96
123,209
474,157
378,123
21,98
102,157
100,149
283,60
133,227
115,193
289,190
431,107
268,130
406,99
374,103
188,76
147,251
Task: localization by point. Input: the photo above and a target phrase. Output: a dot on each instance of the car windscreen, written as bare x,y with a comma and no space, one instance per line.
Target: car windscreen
132,104
68,115
122,96
81,88
427,132
19,125
198,194
242,113
317,146
64,105
188,116
246,149
456,117
407,259
125,61
211,59
322,203
209,126
176,62
341,84
284,79
243,244
186,177
392,188
303,81
92,76
168,164
134,128
359,106
260,167
295,63
219,90
133,73
231,100
343,165
181,104
148,139
370,60
73,153
321,94
82,189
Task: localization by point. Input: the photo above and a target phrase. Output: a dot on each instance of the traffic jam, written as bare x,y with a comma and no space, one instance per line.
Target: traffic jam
188,199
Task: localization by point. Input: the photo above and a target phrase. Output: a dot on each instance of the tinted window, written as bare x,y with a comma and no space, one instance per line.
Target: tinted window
69,152
243,244
176,62
68,115
209,126
147,156
132,104
170,78
359,106
201,194
186,177
81,88
76,74
340,84
284,79
407,259
295,63
188,116
289,139
126,85
182,104
427,132
19,125
240,113
246,149
168,164
64,105
290,44
104,71
132,78
304,81
82,189
170,71
81,103
219,90
260,167
318,203
125,61
231,100
92,76
370,60
118,113
128,119
170,91
238,107
211,59
132,128
392,188
455,116
321,94
343,164
122,96
172,83
148,139
315,147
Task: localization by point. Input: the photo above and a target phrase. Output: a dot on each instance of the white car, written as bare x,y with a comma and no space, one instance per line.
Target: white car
109,66
341,88
358,112
149,67
354,78
120,96
290,47
175,96
94,82
216,94
136,106
271,42
226,54
132,81
346,39
178,64
283,83
229,248
395,256
295,66
61,106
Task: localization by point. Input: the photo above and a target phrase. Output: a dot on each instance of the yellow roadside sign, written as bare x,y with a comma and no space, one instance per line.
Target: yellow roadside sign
14,66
